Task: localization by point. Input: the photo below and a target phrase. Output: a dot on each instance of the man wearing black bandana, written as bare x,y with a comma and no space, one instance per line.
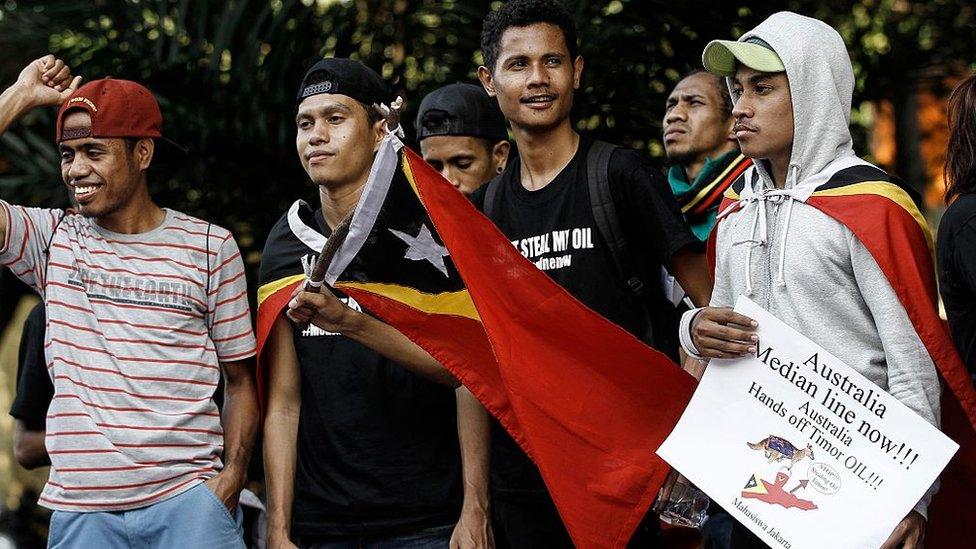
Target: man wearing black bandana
358,450
462,134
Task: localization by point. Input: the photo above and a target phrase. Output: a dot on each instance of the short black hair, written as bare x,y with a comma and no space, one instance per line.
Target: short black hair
522,13
720,85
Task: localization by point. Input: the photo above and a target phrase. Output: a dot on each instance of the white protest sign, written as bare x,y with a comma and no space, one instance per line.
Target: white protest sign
802,449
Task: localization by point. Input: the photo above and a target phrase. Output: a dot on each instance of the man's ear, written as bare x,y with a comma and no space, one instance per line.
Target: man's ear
484,75
379,132
731,133
577,71
144,151
499,154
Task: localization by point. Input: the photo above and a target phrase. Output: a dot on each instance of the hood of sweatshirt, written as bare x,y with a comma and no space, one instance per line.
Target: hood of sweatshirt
822,86
821,81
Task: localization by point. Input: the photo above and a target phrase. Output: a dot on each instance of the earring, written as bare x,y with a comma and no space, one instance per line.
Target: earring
500,169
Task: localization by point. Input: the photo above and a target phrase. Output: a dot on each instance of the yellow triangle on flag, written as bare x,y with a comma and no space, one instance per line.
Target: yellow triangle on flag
754,486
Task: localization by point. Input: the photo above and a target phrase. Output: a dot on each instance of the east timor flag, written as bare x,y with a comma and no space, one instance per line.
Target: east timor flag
882,214
587,401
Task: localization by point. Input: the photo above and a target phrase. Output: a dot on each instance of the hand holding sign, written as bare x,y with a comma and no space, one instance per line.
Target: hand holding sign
720,332
802,449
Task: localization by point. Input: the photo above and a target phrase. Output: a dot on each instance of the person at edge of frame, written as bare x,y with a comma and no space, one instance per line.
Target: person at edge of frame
146,309
956,243
792,84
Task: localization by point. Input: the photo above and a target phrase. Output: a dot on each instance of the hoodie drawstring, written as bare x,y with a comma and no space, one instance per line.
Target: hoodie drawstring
791,181
775,196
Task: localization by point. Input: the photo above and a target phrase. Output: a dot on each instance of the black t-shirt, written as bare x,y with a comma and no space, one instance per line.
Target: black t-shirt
34,387
378,449
554,228
957,274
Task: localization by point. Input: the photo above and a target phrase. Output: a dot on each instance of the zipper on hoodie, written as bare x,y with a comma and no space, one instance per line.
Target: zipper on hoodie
772,229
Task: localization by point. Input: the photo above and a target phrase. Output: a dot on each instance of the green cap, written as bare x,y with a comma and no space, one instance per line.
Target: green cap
720,56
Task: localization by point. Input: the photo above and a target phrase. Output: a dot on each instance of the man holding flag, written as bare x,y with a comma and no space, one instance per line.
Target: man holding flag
357,448
585,400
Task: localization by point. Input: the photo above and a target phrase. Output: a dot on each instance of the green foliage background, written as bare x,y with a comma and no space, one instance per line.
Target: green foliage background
226,73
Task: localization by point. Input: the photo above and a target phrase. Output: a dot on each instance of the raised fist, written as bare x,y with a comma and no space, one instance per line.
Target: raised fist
47,81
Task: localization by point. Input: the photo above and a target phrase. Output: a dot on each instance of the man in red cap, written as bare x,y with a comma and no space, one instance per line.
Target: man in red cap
146,306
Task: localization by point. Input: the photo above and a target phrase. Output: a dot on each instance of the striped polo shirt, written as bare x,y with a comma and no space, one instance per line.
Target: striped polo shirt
137,326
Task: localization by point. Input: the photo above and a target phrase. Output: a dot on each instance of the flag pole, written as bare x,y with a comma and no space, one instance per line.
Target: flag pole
317,277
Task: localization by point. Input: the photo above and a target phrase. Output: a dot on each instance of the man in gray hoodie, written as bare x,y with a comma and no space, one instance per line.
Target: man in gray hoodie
792,83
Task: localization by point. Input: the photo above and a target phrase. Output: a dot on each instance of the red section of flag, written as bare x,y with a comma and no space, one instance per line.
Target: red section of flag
268,311
588,402
898,245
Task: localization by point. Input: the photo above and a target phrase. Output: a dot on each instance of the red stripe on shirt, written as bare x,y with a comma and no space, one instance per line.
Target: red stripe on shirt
132,377
135,341
238,356
129,393
123,486
227,281
152,326
242,294
23,242
153,428
132,257
162,245
83,451
164,445
131,358
137,466
6,233
71,433
71,414
233,337
191,220
70,306
118,503
247,311
227,261
133,410
187,231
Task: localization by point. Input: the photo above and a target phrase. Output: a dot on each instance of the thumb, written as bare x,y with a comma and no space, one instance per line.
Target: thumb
309,299
73,87
75,83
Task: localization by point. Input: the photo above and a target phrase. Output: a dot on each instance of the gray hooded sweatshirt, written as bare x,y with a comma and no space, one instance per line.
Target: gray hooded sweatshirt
803,266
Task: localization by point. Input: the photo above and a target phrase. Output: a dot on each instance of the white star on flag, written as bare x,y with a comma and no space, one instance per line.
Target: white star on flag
423,247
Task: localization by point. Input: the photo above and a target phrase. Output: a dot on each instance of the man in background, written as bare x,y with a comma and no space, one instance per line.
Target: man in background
462,134
701,147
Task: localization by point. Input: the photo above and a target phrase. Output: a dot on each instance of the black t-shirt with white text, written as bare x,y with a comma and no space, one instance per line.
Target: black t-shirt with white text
554,228
377,449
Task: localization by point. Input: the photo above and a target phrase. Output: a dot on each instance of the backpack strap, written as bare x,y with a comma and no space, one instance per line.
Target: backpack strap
492,197
605,214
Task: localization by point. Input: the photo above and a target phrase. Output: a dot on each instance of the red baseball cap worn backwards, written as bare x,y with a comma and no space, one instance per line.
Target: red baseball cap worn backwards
118,108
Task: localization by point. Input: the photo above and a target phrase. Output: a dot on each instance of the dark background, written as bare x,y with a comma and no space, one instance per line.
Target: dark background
226,73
